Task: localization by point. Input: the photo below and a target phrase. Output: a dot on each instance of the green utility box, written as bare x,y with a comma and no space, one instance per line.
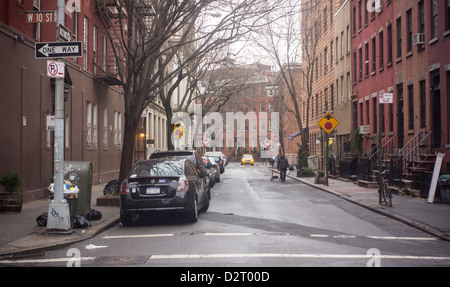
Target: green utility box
444,184
79,174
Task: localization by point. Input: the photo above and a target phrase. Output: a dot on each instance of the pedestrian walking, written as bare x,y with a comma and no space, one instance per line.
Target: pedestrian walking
283,165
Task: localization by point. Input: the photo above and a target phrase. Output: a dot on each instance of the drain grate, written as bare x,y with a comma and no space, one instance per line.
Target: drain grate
115,260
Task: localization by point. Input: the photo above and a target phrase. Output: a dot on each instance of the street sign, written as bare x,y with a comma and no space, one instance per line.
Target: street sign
328,123
386,98
56,69
58,50
40,17
64,34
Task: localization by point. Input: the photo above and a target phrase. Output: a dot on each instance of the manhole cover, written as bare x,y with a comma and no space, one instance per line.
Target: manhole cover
111,260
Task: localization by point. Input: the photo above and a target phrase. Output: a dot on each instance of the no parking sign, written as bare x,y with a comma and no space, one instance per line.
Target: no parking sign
55,69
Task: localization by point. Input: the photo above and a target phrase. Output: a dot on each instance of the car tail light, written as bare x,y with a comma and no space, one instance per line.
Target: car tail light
124,188
183,185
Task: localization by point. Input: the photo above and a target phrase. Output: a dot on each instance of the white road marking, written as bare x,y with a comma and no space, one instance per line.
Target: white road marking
138,236
281,255
229,234
404,238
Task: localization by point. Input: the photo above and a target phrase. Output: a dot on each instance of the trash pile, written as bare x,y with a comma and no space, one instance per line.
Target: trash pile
79,221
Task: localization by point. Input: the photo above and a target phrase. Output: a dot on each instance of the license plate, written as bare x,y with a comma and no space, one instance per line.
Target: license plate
153,190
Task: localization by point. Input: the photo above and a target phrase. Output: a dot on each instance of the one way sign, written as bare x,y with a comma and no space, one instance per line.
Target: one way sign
58,50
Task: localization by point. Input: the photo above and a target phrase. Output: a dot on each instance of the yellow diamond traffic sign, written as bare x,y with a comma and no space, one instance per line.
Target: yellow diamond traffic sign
328,123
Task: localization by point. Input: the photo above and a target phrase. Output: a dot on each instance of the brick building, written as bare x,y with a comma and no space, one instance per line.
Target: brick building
93,109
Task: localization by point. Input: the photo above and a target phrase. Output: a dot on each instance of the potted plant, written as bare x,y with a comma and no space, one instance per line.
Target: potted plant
320,177
11,200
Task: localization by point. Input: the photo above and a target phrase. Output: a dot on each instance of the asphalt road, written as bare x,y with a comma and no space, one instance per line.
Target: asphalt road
253,222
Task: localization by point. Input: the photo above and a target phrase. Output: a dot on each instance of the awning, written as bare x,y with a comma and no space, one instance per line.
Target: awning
294,135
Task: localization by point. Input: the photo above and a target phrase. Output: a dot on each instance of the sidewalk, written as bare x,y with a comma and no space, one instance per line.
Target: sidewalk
20,235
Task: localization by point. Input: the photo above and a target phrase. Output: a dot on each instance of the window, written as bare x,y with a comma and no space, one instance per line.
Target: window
117,130
86,42
389,47
411,107
342,89
448,15
399,37
361,113
375,114
381,49
360,65
325,17
337,48
95,46
89,125
366,46
366,13
105,128
105,41
374,55
325,54
354,20
421,15
349,85
326,98
331,55
409,34
342,44
332,96
434,19
349,43
263,107
354,66
360,15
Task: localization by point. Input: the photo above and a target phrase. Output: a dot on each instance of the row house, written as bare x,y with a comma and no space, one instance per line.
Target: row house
94,109
253,94
399,48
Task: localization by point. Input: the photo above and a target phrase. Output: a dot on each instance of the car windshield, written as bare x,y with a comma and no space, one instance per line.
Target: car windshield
213,159
248,156
165,168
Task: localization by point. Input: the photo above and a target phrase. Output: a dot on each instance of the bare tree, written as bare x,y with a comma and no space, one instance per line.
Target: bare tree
155,43
292,46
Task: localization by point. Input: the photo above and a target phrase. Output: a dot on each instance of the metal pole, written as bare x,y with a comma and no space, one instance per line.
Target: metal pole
380,157
58,212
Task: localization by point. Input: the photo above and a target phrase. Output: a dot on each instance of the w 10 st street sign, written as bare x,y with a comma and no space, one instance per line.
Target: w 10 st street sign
58,50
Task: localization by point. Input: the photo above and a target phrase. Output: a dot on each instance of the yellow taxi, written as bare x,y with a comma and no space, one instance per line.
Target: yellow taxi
247,159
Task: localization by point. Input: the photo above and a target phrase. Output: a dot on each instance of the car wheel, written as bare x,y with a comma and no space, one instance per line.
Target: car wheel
126,219
193,213
206,205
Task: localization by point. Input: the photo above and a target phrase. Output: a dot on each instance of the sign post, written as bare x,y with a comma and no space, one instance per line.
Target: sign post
58,210
386,98
328,123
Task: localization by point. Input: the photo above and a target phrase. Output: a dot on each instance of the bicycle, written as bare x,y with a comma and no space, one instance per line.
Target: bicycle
384,191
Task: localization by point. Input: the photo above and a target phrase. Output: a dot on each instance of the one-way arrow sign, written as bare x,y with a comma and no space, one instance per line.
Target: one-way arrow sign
58,50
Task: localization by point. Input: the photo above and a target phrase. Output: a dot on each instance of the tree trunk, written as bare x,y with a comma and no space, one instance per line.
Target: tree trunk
129,141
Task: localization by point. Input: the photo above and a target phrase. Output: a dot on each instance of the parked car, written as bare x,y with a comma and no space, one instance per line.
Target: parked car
210,170
191,155
163,186
215,168
247,159
219,158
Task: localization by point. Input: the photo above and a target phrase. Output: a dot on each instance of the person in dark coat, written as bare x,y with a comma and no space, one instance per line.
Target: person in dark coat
283,165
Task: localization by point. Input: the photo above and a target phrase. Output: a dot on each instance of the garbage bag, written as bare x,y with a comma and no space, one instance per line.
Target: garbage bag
94,215
81,222
41,220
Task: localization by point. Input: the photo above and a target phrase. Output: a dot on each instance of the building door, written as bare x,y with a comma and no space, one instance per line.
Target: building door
436,106
400,117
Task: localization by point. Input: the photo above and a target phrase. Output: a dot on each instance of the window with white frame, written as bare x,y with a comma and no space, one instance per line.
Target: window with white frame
89,125
117,130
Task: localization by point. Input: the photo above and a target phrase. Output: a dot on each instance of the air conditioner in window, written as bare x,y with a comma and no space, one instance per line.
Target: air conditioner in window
419,39
364,130
324,110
